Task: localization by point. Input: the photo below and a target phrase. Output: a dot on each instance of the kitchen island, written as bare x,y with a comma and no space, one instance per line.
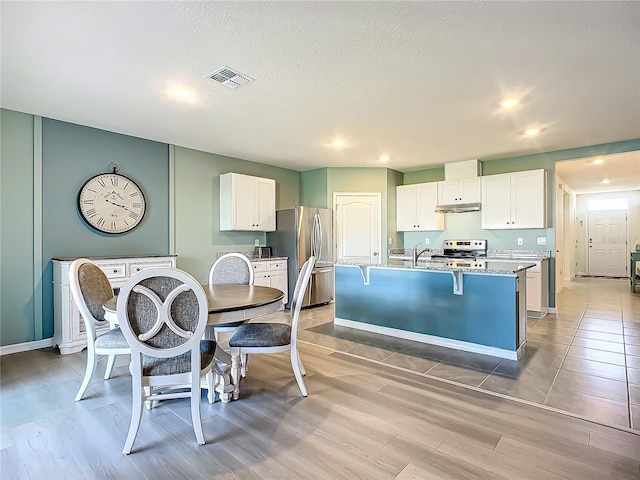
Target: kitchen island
475,306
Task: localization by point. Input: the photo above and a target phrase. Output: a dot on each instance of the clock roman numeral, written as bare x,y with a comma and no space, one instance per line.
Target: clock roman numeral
101,182
114,181
100,222
134,194
113,225
92,212
88,202
136,205
134,215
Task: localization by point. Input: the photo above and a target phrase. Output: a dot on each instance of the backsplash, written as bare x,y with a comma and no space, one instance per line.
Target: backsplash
492,254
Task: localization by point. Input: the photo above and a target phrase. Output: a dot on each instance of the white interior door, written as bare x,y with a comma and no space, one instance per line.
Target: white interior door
608,243
358,223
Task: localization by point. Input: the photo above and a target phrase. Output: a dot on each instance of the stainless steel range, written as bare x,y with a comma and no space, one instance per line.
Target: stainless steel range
462,250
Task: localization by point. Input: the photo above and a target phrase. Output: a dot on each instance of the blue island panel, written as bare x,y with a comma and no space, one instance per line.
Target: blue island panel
423,302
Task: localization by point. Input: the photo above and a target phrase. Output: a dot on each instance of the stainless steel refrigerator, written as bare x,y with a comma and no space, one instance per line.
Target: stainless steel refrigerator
302,232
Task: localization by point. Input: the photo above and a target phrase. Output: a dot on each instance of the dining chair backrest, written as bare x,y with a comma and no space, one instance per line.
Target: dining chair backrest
231,269
163,313
90,289
298,295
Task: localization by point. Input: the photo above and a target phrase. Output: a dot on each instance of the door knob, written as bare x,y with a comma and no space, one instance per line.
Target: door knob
375,254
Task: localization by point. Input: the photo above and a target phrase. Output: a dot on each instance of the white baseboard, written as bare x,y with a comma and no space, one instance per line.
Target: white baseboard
553,310
424,338
25,347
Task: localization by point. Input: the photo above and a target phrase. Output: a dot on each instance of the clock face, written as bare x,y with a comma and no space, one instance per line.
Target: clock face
111,203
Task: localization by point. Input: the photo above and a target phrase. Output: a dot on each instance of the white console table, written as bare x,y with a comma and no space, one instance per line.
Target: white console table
68,326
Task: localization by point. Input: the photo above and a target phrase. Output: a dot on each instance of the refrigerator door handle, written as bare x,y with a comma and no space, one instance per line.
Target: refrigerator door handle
323,270
316,247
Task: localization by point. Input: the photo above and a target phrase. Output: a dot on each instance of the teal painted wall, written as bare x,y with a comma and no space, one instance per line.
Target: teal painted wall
394,178
198,238
313,188
16,228
70,155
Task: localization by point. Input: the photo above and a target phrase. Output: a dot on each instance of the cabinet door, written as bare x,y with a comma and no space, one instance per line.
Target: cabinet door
528,199
448,193
428,219
469,190
243,200
279,280
406,208
534,291
261,279
496,201
265,207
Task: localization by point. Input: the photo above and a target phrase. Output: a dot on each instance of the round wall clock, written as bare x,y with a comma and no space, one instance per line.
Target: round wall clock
111,203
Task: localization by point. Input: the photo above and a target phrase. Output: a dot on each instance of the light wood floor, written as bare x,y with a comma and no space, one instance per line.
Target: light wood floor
361,420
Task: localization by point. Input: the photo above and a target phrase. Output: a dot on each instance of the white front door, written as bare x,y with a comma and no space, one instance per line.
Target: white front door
358,223
608,243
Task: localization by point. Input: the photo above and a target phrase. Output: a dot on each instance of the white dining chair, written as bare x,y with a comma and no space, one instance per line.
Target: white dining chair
90,289
163,314
255,338
231,269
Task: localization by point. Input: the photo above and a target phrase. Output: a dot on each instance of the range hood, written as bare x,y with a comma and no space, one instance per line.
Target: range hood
458,208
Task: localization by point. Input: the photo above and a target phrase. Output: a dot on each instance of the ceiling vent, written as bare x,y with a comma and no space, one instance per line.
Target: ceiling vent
230,77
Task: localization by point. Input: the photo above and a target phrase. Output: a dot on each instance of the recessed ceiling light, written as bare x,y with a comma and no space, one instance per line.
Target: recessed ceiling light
598,161
606,180
183,92
384,158
530,132
509,102
338,143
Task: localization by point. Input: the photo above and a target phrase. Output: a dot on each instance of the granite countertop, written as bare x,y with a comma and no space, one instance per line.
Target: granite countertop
115,257
267,259
488,267
513,255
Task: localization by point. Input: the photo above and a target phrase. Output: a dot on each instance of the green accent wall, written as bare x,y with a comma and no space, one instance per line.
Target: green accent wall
70,155
313,188
17,284
198,238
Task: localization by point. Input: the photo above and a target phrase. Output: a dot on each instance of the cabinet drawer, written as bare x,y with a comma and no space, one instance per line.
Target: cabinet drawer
116,270
276,266
259,266
138,267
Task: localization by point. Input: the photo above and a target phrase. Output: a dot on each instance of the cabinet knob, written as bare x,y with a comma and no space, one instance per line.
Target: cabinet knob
115,271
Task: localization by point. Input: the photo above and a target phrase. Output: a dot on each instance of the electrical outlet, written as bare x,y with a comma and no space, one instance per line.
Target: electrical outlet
426,241
390,241
542,241
256,242
520,241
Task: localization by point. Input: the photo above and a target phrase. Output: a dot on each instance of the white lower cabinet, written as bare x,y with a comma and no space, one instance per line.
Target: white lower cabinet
272,273
68,326
538,289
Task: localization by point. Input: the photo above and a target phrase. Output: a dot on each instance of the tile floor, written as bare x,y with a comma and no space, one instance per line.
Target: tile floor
585,359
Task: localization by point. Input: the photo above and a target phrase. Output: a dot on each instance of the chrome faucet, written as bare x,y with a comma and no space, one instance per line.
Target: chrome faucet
417,253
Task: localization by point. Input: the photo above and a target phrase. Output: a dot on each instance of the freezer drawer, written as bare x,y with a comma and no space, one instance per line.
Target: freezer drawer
320,288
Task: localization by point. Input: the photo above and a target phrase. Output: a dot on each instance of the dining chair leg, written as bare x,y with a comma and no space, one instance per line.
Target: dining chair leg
137,398
196,417
295,365
90,370
211,393
235,371
111,360
244,358
302,370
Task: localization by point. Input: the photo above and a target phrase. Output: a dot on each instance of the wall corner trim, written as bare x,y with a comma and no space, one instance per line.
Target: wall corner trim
37,227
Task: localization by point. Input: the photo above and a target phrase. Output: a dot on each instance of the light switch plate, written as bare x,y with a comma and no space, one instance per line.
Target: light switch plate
520,241
542,241
390,241
426,241
256,242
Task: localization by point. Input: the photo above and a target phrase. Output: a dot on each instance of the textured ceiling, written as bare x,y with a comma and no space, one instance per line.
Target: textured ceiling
419,81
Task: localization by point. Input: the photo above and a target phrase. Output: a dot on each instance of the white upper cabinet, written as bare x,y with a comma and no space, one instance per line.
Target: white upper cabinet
465,190
247,203
514,200
415,208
